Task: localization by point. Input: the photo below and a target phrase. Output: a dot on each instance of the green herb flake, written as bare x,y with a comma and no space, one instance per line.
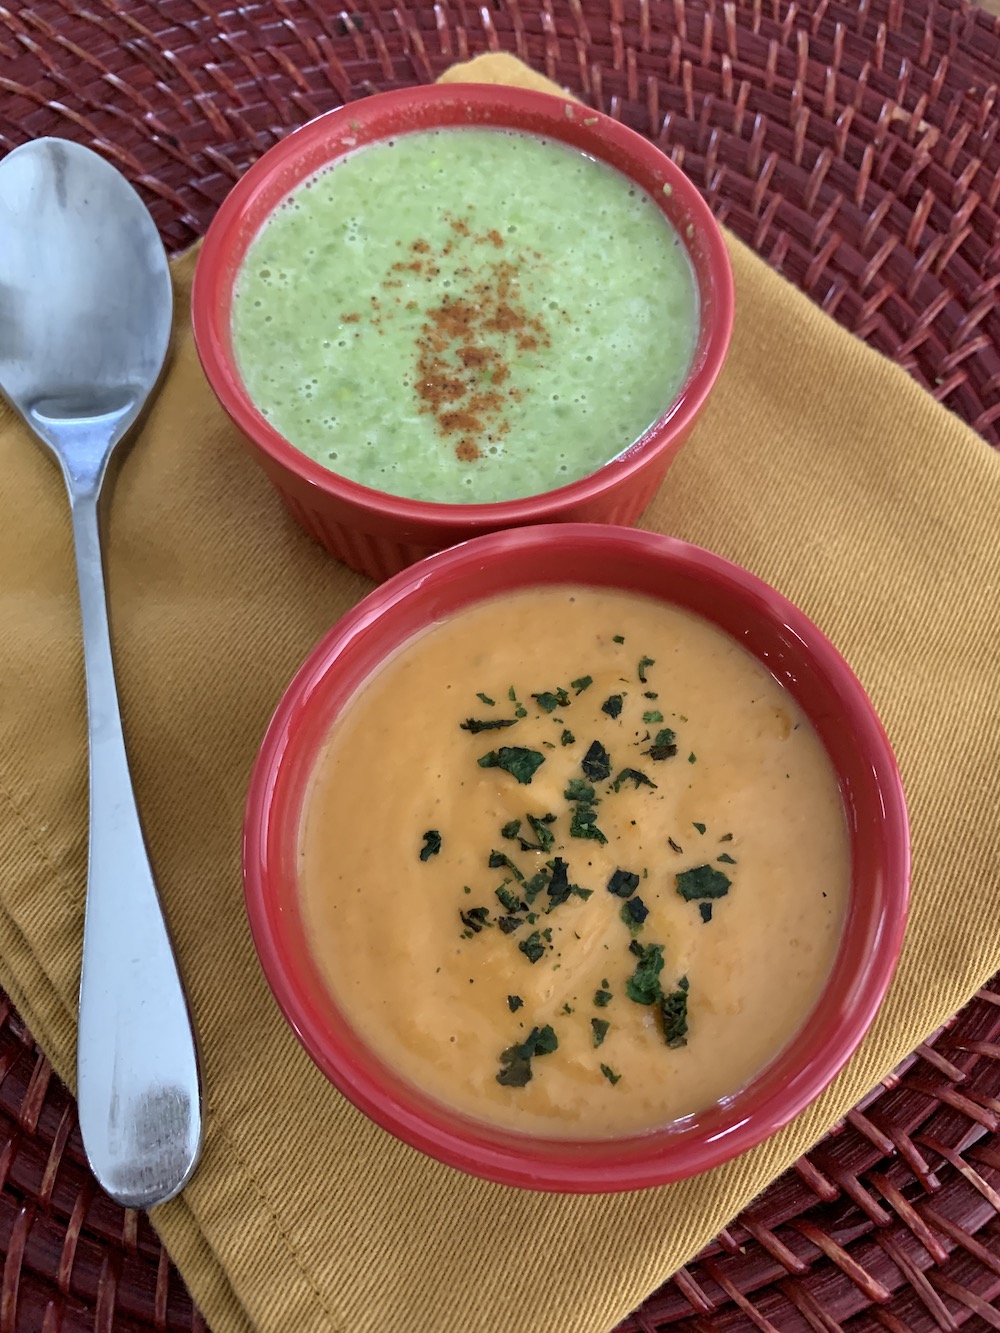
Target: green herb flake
508,924
520,763
699,827
726,859
581,683
673,1011
578,790
610,1075
544,837
692,757
643,986
634,912
633,775
475,725
510,900
602,998
645,662
650,694
567,738
706,912
623,883
618,638
702,882
583,824
514,1003
664,744
532,947
498,859
726,837
432,844
652,716
675,847
533,887
612,705
548,701
515,1061
485,698
596,764
475,918
511,829
600,1027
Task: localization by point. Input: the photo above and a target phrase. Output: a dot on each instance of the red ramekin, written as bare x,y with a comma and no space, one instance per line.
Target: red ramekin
373,531
796,653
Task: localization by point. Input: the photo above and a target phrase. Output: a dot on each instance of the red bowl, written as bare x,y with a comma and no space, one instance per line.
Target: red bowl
795,652
379,533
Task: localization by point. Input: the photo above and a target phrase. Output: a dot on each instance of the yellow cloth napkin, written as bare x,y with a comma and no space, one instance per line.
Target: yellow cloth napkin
818,465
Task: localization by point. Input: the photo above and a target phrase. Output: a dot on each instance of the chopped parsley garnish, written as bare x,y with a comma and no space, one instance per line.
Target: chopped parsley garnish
664,744
533,947
699,827
623,883
618,638
533,887
432,844
511,829
675,846
726,859
650,694
583,824
578,790
514,1003
600,1027
651,716
498,859
726,837
673,1010
510,900
520,763
632,775
567,738
560,887
581,683
702,882
643,986
596,764
645,662
612,705
515,1061
548,701
610,1075
567,1008
602,998
519,708
485,698
508,924
634,912
476,725
706,912
475,918
692,757
544,837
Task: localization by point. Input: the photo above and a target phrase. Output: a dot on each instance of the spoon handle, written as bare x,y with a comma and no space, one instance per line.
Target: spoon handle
137,1068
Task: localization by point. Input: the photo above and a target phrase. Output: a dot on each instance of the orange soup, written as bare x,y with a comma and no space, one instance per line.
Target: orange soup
573,863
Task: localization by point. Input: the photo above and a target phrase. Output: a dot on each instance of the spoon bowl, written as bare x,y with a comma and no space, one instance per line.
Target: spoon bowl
86,308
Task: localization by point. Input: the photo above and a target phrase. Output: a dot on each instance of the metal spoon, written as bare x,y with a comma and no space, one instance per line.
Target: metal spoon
85,316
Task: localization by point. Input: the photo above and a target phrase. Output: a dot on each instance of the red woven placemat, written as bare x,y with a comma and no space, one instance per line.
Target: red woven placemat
855,147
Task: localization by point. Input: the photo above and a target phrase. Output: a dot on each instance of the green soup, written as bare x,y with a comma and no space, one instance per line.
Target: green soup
465,315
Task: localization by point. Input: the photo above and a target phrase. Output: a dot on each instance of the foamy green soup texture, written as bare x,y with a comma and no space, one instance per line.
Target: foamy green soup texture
465,315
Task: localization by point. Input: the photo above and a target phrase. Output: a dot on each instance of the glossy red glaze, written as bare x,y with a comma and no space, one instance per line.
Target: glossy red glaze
800,658
379,533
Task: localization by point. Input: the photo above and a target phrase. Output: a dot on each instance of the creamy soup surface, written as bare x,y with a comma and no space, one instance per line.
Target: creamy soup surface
600,918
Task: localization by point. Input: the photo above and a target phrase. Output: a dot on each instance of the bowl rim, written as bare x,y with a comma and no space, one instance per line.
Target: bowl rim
211,289
631,1161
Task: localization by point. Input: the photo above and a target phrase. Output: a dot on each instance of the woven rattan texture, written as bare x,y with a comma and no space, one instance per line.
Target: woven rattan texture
855,147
